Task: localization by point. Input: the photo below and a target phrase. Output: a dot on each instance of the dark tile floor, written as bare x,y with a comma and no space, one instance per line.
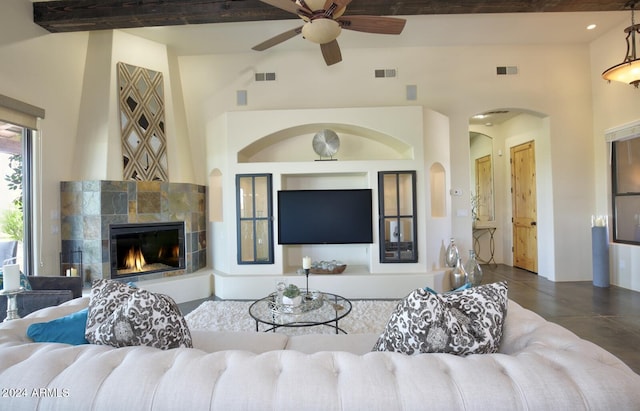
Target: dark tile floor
608,317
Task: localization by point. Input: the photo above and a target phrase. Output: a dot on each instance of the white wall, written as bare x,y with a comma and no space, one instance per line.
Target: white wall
501,195
99,151
47,70
518,130
297,169
446,83
72,77
614,105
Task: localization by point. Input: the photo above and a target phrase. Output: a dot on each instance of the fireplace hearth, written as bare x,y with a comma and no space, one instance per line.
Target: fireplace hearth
140,249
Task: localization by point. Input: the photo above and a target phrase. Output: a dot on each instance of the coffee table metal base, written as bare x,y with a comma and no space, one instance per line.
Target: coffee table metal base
294,325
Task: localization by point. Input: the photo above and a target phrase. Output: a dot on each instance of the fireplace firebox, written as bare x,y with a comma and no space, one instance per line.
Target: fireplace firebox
140,249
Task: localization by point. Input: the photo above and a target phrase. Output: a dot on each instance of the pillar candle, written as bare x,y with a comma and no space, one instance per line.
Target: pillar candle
11,277
306,262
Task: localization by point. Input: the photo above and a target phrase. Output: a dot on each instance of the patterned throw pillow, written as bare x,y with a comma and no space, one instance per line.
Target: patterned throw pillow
106,296
461,323
140,318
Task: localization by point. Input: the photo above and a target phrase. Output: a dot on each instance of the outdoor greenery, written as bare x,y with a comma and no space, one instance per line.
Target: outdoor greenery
11,224
11,221
14,180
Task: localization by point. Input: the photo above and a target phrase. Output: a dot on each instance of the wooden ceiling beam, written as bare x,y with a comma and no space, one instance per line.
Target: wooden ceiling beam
87,15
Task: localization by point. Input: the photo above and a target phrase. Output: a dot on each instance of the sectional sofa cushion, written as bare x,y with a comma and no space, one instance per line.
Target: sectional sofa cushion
462,323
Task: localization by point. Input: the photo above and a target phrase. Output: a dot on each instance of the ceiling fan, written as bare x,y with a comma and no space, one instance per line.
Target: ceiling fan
324,21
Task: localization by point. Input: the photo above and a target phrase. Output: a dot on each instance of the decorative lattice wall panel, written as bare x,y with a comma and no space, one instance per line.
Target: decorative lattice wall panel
144,145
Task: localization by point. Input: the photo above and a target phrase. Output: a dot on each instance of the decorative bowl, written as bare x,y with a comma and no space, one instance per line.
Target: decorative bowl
337,270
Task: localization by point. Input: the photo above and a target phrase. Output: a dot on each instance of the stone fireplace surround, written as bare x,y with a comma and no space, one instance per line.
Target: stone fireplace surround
87,208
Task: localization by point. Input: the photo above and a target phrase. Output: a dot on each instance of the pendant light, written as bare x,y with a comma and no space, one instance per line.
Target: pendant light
629,70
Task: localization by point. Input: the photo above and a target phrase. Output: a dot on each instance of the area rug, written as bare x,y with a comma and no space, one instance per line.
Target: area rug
366,316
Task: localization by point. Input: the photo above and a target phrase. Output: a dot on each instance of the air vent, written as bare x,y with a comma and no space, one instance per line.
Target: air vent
506,70
385,73
265,76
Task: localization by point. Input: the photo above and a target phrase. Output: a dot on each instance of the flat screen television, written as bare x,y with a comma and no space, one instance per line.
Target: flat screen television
325,217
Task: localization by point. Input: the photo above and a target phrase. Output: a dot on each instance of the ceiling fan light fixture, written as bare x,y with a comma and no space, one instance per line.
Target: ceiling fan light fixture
313,5
323,24
321,31
629,70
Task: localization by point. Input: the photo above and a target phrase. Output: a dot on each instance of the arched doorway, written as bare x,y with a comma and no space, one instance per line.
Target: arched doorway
509,128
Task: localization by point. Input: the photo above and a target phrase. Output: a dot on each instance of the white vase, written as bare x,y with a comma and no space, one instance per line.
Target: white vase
292,301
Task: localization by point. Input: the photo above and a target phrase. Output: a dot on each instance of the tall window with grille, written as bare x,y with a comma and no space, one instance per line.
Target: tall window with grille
254,218
625,183
398,225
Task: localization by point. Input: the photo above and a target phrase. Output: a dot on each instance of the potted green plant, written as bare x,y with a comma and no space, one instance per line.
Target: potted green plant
291,295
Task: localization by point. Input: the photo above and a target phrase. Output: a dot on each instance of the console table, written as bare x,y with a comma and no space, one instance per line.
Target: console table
479,229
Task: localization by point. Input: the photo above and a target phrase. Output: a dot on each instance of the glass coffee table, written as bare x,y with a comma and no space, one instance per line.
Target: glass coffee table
331,308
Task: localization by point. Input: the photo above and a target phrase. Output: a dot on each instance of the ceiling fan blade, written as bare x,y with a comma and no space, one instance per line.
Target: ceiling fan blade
273,41
286,5
373,24
331,52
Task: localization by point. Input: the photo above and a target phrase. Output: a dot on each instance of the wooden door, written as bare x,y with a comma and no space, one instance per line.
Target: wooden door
523,189
484,188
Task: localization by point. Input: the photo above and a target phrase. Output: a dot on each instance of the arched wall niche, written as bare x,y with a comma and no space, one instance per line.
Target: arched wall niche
356,143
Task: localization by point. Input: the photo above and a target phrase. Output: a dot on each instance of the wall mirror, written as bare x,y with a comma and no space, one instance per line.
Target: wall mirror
482,192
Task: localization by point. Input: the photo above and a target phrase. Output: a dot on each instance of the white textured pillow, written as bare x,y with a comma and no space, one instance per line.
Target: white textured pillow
461,323
138,317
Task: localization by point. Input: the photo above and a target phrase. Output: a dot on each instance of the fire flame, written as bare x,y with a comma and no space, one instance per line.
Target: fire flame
134,259
167,251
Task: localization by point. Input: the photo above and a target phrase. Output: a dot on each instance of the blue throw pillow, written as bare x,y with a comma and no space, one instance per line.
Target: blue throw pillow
24,281
68,330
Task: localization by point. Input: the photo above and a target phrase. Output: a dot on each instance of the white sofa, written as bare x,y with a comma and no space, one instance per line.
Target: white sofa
540,366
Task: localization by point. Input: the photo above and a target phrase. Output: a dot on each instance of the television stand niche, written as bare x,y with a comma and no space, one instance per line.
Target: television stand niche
357,257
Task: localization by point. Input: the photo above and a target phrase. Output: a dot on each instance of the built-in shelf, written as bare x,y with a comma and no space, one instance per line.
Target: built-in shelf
350,270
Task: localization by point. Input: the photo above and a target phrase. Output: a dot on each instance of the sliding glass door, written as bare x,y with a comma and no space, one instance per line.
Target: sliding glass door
16,199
